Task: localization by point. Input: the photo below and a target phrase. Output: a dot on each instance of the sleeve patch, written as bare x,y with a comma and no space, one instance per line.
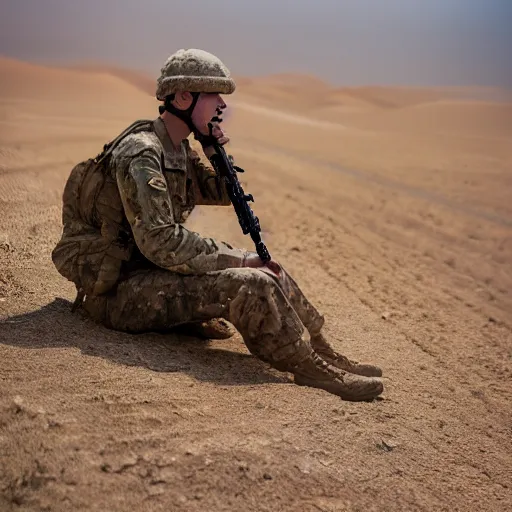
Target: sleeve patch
158,183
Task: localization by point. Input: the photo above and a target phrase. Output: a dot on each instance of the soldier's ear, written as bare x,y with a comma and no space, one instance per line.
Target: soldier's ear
183,100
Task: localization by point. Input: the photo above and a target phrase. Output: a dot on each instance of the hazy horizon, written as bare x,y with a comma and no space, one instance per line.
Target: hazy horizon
345,42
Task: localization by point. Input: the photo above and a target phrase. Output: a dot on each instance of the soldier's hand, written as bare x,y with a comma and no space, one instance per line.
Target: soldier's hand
274,266
221,139
252,260
219,134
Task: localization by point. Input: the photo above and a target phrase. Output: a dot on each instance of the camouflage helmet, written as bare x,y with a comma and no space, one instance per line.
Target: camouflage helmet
193,70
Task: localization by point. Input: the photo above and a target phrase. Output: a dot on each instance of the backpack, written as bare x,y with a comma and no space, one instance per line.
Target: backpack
81,226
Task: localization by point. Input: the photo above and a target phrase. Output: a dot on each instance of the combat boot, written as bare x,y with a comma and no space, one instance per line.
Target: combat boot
326,352
316,373
214,329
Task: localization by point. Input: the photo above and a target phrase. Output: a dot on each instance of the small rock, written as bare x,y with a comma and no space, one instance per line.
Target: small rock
266,476
295,249
387,446
304,467
385,315
4,243
158,489
493,320
53,424
17,404
106,468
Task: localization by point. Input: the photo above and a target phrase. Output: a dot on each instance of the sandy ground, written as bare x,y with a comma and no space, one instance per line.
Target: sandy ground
392,210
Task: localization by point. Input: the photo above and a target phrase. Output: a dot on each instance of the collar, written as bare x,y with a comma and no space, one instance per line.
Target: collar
175,158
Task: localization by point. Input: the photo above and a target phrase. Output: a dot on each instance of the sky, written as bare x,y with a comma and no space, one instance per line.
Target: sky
345,42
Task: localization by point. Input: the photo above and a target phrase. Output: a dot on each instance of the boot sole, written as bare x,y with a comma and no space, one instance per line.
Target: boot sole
334,388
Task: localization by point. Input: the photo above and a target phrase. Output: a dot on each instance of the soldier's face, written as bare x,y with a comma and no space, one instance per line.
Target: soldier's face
206,108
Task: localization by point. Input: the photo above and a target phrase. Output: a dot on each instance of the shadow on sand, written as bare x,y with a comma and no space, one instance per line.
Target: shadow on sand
55,326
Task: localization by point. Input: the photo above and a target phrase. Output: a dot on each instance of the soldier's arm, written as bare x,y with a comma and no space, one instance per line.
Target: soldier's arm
168,244
205,188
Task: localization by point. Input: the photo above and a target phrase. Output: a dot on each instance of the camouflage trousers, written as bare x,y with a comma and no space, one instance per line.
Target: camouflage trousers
273,316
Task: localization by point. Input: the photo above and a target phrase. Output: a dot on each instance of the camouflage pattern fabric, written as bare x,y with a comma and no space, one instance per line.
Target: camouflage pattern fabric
156,300
129,213
157,200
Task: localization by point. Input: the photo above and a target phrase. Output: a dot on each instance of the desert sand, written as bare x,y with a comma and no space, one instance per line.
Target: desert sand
392,209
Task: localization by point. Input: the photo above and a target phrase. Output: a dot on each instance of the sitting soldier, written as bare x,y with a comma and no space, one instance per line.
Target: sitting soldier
137,268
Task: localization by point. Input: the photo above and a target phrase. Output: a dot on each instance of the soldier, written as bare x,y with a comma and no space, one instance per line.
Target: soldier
137,268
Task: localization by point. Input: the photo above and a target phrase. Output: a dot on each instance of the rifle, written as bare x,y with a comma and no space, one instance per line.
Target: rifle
249,223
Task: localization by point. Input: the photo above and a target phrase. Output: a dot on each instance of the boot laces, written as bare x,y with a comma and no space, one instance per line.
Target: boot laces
323,365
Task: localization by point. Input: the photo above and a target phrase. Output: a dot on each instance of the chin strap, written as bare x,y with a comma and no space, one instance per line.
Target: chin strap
184,115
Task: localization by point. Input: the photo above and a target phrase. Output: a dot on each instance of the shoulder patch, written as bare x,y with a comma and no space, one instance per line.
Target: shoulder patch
158,183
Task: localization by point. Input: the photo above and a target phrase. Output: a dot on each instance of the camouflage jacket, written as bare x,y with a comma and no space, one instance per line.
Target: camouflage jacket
129,212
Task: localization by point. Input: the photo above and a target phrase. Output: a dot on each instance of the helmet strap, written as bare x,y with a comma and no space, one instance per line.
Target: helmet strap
184,115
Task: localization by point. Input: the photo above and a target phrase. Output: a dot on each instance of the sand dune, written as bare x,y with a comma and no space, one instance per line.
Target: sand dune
398,227
22,79
391,97
303,92
139,79
50,102
484,118
459,118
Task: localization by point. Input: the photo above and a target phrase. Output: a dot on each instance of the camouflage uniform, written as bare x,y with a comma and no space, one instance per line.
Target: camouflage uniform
140,269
